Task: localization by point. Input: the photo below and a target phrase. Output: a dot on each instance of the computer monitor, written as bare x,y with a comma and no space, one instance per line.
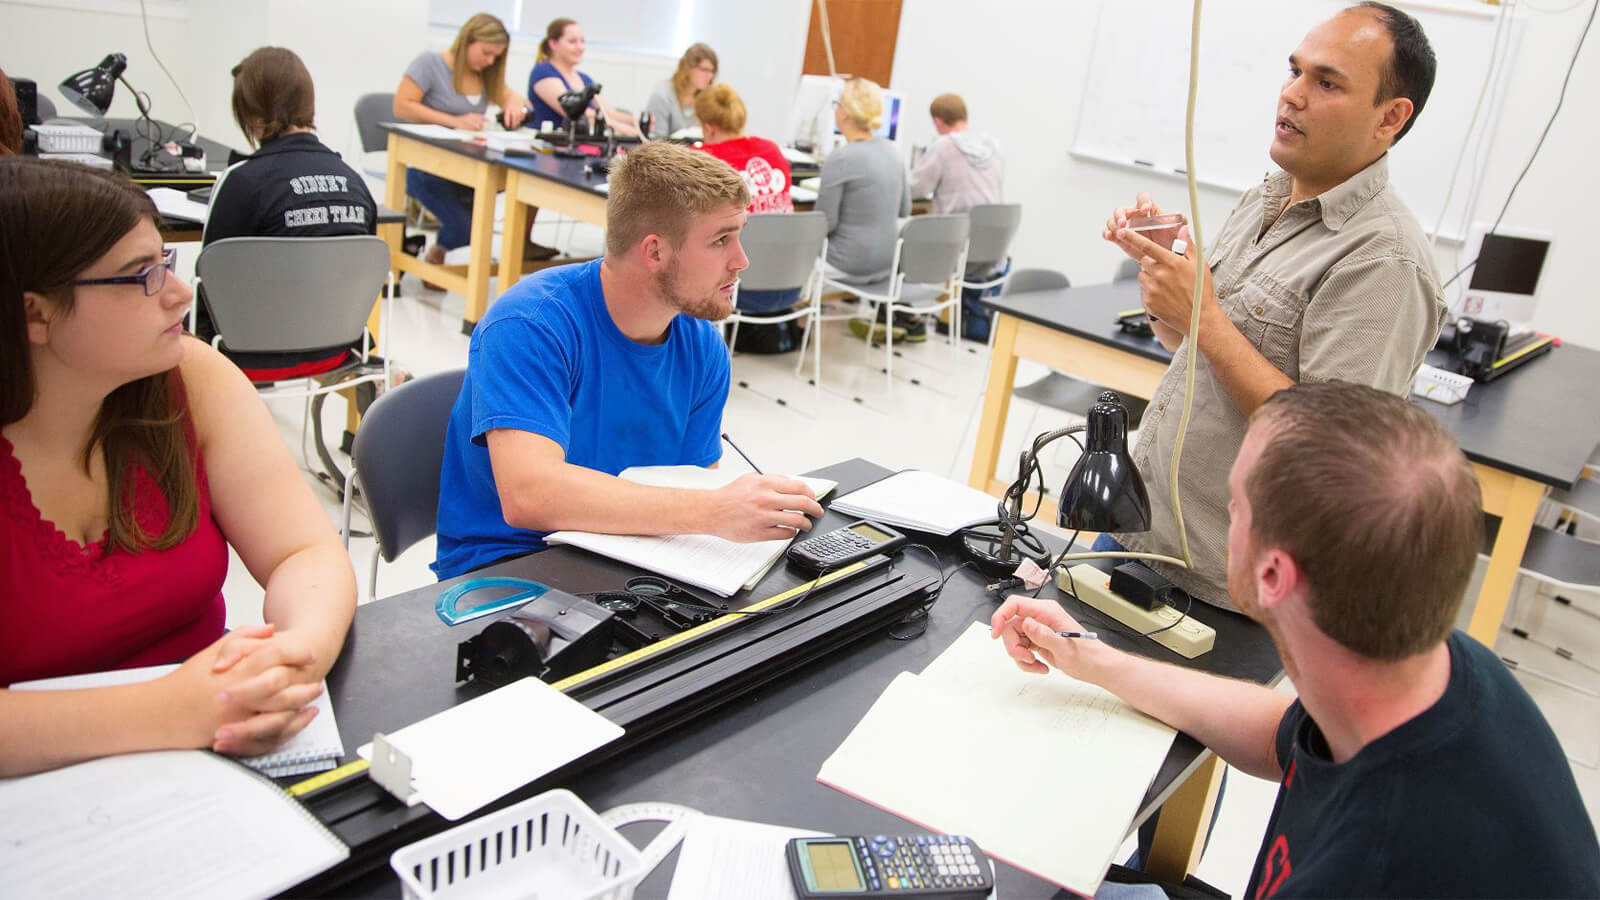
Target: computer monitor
890,129
1505,278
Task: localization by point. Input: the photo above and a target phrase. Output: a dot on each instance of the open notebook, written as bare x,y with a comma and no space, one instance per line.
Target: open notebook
943,749
316,748
705,561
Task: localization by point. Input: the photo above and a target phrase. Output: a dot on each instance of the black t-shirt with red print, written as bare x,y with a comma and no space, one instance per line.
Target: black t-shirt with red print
1472,798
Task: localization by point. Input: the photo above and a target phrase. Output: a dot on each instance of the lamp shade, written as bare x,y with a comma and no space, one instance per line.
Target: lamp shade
91,89
1104,491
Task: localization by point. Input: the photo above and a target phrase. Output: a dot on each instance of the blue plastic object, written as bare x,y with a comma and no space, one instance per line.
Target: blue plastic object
450,613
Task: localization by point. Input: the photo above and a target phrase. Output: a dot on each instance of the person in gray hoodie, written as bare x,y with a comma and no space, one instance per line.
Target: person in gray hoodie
961,168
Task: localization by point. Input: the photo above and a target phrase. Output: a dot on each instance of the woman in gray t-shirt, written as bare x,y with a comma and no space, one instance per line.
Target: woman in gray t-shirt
454,89
864,191
671,104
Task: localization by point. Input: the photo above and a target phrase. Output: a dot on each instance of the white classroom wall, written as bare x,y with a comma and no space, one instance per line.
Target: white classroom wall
1028,96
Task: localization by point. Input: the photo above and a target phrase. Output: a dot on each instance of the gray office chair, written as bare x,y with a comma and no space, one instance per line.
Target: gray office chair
786,251
396,458
371,111
994,226
929,260
46,108
283,295
1056,390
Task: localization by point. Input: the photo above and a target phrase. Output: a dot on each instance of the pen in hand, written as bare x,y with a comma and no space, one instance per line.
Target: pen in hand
741,453
1085,635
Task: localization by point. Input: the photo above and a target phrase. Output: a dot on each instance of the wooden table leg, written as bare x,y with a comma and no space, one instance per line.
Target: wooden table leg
1185,818
996,402
513,234
394,197
1518,501
486,184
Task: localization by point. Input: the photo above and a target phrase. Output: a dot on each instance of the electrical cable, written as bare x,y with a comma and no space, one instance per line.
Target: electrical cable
1539,145
1483,92
915,623
827,36
145,18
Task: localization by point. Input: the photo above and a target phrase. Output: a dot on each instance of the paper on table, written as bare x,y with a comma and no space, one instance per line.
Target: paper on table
178,823
177,205
1102,756
921,501
316,748
438,132
481,750
731,859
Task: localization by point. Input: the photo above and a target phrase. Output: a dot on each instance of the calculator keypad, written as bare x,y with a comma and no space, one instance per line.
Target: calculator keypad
838,544
920,862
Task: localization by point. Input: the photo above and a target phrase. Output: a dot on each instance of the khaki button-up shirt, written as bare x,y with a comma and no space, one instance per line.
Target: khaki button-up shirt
1341,286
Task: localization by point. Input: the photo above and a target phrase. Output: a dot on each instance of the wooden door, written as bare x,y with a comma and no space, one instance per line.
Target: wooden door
864,34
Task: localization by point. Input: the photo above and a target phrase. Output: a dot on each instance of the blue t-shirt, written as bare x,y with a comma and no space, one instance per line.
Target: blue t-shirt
547,358
542,111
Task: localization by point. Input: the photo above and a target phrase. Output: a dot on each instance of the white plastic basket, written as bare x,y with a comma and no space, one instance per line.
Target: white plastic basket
72,138
1440,386
551,847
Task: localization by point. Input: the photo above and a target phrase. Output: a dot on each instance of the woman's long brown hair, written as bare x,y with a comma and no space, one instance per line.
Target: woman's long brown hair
56,220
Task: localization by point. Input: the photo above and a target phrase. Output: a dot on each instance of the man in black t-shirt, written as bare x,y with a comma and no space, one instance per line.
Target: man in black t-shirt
1412,764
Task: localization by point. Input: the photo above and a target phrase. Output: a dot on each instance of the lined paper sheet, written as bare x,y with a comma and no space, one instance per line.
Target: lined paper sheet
731,859
705,561
475,753
951,749
178,823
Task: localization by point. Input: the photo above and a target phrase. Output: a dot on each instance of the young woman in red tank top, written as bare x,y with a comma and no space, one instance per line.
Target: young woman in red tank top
131,456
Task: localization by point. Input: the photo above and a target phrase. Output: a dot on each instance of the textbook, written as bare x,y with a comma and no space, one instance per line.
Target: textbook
316,748
705,561
173,823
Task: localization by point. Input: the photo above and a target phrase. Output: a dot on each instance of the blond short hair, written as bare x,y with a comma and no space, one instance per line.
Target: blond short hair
660,187
720,107
862,102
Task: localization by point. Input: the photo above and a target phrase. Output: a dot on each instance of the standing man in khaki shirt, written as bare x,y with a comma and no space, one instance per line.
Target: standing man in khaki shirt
1319,273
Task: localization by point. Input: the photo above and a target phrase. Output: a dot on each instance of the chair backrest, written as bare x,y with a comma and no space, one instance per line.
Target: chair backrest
932,247
1127,270
282,294
46,108
994,225
398,452
1036,280
783,249
372,109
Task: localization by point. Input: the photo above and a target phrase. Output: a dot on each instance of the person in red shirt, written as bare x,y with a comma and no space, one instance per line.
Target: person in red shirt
757,160
131,457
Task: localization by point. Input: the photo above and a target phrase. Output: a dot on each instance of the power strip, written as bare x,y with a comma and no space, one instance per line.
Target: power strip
1188,638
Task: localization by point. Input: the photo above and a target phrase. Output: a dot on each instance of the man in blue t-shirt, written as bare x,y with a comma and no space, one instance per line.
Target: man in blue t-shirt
1412,764
581,371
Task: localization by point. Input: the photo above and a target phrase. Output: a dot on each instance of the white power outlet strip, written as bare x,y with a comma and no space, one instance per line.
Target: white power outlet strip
1188,638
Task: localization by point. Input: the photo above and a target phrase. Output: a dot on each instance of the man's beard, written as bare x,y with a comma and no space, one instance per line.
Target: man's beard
712,307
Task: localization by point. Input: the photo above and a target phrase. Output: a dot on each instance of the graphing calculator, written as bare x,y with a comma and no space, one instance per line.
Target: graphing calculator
843,546
910,865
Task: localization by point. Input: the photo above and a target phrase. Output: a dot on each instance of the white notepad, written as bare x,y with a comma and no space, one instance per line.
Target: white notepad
930,748
705,561
315,749
920,501
177,823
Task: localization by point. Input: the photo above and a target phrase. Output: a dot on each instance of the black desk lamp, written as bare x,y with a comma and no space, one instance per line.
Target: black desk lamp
91,90
1103,492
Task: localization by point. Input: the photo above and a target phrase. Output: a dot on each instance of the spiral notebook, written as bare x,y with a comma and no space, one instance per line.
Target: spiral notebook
315,749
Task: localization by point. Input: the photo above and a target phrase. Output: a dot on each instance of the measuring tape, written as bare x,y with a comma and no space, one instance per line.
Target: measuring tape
332,776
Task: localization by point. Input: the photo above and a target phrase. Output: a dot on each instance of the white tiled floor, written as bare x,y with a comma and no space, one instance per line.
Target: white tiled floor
787,425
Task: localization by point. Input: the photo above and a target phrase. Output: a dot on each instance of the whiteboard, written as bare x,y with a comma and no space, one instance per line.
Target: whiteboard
1136,91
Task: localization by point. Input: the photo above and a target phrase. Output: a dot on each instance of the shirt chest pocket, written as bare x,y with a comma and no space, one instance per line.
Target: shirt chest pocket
1269,314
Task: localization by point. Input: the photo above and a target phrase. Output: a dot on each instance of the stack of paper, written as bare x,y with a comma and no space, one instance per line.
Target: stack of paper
316,748
705,561
179,823
477,752
177,205
1045,772
920,501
